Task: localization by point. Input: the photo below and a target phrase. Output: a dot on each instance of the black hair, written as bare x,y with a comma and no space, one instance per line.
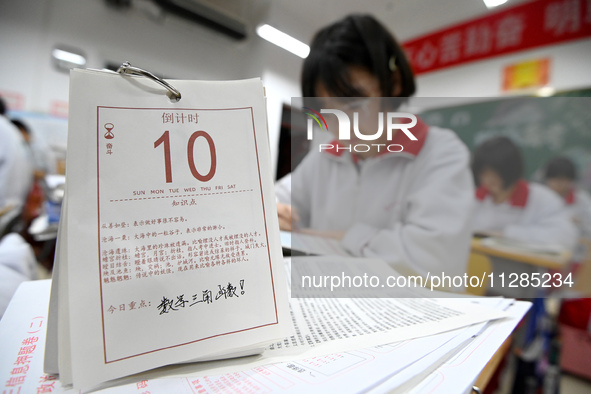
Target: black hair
501,155
21,125
560,167
356,40
2,107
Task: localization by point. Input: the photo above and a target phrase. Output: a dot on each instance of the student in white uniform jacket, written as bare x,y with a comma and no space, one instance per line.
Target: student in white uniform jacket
16,168
512,207
410,208
561,175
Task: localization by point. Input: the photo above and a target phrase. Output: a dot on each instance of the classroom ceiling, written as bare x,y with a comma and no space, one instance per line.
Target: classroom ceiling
405,18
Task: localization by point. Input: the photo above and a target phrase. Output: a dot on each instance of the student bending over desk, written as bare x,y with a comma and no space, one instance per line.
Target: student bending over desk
512,207
411,208
560,175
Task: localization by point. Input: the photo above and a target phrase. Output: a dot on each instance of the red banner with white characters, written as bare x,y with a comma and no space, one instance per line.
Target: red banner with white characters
526,26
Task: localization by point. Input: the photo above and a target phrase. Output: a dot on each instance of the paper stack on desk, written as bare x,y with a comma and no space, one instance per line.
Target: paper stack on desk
169,252
306,361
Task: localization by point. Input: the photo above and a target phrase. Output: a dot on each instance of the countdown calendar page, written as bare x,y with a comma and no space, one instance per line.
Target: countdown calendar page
173,243
196,221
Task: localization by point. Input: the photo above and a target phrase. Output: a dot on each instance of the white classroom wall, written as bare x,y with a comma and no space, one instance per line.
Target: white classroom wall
172,47
569,70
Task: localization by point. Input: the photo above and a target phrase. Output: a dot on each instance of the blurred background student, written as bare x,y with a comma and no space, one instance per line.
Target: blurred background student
17,260
43,159
16,167
510,206
410,208
40,159
560,175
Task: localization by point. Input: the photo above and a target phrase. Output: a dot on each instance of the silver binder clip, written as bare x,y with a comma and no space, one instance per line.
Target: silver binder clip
127,69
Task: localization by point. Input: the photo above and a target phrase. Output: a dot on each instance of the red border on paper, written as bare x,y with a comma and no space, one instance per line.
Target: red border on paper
99,228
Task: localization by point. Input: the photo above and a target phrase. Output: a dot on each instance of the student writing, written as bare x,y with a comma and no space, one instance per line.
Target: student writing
509,205
560,175
411,207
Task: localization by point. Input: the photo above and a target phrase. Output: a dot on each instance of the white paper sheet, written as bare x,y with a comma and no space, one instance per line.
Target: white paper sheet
309,244
368,328
352,371
22,341
459,373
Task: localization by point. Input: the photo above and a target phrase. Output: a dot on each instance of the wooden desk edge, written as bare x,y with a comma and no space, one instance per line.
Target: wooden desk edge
489,369
539,261
6,209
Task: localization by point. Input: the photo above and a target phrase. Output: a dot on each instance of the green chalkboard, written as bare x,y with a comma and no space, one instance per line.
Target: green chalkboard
542,126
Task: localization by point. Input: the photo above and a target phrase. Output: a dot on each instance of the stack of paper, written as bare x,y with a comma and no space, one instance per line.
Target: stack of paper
368,354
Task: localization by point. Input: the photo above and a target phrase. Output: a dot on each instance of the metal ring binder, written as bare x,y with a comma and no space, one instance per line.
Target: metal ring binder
127,69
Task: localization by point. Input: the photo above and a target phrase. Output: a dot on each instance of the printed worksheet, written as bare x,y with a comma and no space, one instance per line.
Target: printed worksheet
338,332
382,368
172,251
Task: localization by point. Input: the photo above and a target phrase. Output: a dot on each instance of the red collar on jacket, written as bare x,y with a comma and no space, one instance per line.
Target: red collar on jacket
569,199
413,148
517,199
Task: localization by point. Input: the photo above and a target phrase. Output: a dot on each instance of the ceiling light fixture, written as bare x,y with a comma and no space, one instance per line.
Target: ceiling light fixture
65,59
493,3
283,40
546,91
69,57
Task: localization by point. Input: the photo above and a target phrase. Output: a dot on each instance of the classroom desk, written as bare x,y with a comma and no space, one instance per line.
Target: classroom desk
535,259
513,263
583,276
6,209
489,370
7,215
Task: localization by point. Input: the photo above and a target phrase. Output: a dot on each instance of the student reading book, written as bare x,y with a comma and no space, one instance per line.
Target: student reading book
410,208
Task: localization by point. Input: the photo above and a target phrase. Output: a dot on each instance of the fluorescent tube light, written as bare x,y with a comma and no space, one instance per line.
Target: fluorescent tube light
493,3
546,91
68,57
283,40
